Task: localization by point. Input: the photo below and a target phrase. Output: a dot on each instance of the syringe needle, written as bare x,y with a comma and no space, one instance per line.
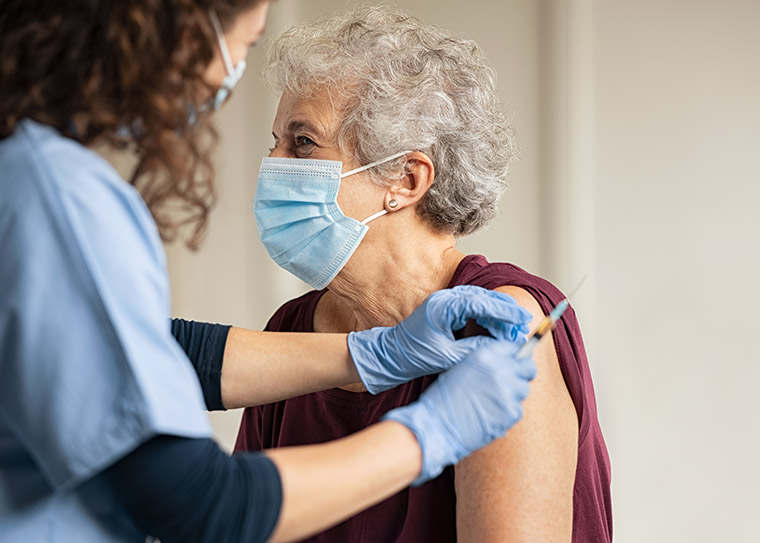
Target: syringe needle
576,288
547,323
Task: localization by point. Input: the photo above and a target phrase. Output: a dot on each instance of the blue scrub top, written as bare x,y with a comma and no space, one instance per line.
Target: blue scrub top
89,367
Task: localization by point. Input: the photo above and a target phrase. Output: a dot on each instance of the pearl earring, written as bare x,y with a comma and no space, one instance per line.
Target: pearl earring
393,204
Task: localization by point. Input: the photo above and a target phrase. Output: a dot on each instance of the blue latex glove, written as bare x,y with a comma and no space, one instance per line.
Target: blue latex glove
469,406
424,343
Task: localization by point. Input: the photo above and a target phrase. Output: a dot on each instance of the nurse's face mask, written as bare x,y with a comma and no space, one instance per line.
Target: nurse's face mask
234,73
299,221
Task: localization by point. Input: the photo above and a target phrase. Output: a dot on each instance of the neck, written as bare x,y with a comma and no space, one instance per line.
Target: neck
388,277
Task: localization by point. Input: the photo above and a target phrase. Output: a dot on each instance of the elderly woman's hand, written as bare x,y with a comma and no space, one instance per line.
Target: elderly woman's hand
424,343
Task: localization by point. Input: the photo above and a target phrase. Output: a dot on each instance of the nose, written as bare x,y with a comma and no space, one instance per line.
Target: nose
279,151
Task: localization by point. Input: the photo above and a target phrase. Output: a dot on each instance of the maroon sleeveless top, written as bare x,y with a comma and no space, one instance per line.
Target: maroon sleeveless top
427,513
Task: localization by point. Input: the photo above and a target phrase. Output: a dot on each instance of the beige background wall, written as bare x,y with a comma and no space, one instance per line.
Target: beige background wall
639,125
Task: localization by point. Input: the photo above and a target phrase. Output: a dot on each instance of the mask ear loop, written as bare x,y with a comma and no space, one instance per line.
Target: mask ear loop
222,42
373,164
367,167
373,217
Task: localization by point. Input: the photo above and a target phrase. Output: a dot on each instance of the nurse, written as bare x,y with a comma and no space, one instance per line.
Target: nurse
103,435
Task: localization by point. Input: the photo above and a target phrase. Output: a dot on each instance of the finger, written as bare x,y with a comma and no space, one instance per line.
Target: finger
522,389
515,413
503,330
525,368
486,304
473,343
502,354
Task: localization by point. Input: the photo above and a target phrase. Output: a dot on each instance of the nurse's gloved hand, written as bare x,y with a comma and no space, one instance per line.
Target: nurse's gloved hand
424,343
469,406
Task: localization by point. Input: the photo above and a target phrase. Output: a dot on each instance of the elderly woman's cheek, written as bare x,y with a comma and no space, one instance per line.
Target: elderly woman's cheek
359,198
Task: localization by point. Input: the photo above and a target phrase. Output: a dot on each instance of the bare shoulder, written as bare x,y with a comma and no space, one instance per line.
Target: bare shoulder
521,486
525,300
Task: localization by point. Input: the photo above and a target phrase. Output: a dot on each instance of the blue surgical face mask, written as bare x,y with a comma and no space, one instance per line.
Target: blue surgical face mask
300,223
234,73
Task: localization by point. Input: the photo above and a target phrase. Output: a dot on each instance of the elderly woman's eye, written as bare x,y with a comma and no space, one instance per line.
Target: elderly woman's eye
304,141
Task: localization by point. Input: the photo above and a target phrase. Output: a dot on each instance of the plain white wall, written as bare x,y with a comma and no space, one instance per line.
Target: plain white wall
639,126
677,183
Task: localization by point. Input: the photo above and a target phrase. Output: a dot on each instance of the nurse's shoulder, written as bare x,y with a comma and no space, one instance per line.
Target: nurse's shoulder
36,153
58,184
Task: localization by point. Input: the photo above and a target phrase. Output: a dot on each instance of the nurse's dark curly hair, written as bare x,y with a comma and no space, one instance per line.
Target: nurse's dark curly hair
125,71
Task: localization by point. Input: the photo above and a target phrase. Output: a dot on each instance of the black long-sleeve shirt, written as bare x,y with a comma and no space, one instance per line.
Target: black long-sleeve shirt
204,344
188,490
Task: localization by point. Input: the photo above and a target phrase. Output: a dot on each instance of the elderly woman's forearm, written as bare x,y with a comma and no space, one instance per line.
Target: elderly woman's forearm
265,367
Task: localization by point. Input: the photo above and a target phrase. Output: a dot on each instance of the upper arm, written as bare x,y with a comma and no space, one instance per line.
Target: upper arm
520,488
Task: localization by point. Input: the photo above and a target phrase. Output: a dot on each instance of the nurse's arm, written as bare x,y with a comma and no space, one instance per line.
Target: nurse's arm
241,368
265,367
183,490
325,484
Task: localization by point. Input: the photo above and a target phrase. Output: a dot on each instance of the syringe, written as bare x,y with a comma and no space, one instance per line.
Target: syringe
547,324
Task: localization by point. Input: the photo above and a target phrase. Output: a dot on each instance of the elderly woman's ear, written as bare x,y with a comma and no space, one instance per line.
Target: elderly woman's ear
419,174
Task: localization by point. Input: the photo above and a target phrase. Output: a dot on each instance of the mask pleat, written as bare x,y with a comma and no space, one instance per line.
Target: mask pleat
299,221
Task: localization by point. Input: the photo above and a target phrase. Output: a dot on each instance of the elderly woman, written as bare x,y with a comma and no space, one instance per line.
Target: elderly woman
410,111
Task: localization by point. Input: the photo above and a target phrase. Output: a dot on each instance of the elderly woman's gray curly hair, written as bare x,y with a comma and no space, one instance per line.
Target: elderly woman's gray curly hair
404,85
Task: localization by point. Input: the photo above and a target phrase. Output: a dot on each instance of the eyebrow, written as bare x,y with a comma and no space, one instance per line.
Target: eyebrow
296,125
303,125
